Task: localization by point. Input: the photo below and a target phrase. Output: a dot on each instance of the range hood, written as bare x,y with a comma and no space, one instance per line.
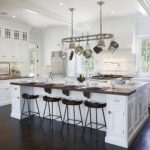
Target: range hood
146,5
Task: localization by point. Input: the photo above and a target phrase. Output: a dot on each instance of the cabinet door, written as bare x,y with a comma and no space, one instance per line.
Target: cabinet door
116,122
4,94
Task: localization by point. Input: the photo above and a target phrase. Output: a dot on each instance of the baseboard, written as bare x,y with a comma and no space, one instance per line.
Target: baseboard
16,116
116,141
3,103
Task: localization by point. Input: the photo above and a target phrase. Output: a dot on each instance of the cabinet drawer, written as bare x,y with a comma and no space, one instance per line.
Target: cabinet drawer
116,100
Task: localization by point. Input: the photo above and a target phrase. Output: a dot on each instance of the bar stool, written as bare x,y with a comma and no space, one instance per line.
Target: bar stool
96,106
26,98
72,103
51,100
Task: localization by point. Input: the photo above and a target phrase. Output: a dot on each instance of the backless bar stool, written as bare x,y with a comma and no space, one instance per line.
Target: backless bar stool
27,98
96,106
72,103
51,116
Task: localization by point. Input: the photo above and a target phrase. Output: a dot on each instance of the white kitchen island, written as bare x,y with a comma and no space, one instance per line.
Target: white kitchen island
126,111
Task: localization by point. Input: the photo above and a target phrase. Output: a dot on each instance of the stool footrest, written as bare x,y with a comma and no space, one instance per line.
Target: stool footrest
102,125
27,113
78,121
56,117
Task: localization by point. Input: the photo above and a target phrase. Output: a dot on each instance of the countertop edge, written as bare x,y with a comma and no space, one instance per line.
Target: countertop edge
74,89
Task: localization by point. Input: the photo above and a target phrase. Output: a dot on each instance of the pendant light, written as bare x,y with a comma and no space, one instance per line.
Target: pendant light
101,42
72,43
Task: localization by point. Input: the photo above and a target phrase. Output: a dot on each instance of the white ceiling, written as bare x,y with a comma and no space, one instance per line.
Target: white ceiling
50,13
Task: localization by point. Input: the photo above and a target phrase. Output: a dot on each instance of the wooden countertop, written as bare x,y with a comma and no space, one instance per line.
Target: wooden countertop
104,90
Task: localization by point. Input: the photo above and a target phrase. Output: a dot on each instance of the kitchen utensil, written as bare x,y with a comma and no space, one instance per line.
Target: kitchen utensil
79,49
113,46
71,55
87,53
97,49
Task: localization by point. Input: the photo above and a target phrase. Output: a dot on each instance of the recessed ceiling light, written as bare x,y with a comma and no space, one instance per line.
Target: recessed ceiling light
113,12
31,11
61,4
14,16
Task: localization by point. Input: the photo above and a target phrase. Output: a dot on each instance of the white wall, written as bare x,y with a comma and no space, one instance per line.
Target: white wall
143,26
52,41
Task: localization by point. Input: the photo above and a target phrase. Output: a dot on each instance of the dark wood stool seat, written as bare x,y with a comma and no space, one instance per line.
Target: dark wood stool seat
49,101
94,104
73,103
27,98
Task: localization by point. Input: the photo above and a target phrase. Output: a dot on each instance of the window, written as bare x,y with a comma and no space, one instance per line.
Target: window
144,54
87,64
33,50
7,33
16,35
24,36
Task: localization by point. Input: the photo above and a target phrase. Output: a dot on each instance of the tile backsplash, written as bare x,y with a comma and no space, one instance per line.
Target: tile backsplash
120,62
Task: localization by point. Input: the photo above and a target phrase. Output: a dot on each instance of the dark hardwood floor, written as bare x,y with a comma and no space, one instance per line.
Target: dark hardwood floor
30,136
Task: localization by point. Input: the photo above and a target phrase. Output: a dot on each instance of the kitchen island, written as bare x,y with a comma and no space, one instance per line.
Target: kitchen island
126,112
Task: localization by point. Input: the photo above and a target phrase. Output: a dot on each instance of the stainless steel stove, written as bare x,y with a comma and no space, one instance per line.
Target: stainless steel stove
109,77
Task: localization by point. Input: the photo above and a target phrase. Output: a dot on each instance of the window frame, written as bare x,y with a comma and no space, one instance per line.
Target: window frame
139,53
36,48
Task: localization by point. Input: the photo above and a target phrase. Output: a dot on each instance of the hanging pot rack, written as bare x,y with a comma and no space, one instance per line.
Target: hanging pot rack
101,37
93,37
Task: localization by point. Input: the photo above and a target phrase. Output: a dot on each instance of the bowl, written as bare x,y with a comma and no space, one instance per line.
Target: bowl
81,79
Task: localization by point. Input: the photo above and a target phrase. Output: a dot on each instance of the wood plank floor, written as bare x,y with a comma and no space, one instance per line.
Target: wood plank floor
30,136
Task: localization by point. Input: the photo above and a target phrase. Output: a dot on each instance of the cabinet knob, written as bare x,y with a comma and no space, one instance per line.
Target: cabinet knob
109,112
18,97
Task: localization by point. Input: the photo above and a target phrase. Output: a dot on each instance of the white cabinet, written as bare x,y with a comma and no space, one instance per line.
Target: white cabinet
5,93
14,50
116,122
125,116
17,101
116,115
15,98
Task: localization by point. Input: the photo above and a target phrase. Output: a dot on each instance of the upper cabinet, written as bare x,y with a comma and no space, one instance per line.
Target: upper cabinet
14,41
